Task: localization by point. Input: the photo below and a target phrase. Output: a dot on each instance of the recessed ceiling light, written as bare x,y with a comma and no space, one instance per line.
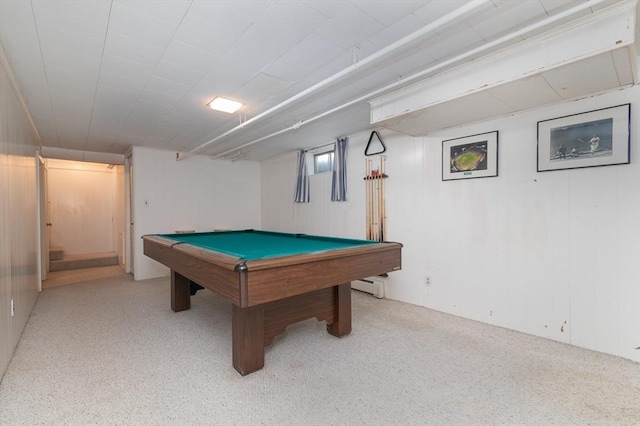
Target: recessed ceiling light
224,105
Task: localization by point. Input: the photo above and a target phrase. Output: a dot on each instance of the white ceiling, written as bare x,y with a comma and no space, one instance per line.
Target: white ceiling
103,75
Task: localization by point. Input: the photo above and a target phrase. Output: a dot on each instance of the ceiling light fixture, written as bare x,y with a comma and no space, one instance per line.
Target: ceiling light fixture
224,105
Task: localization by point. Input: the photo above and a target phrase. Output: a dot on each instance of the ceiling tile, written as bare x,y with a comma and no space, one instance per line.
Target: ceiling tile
120,65
236,12
132,49
340,29
434,10
444,46
389,12
327,8
189,56
125,84
279,29
396,31
145,112
170,11
114,109
250,98
71,17
207,36
313,52
215,26
323,72
70,109
558,5
268,84
185,118
171,71
168,87
65,49
162,98
100,6
17,13
509,15
65,80
21,44
138,25
22,50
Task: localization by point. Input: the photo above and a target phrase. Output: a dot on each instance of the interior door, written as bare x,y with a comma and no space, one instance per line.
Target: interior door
45,224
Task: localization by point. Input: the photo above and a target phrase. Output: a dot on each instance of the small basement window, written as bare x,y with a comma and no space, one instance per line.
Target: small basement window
323,162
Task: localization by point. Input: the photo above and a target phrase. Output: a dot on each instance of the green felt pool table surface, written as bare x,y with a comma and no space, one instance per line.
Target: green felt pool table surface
253,245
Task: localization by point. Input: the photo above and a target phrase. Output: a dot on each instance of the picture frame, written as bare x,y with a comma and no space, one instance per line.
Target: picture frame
595,138
469,157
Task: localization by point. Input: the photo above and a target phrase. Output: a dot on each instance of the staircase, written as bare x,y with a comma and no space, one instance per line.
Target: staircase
58,261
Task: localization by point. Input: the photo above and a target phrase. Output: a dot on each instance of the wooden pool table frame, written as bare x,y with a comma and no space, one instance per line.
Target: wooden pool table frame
270,294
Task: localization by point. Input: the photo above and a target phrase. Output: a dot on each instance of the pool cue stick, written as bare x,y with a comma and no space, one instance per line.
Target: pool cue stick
371,201
369,216
366,193
384,201
377,206
374,190
380,225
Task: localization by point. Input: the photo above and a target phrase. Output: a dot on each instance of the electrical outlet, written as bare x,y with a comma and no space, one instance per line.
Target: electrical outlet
427,281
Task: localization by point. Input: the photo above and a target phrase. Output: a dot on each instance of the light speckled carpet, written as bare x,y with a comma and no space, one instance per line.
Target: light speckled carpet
111,351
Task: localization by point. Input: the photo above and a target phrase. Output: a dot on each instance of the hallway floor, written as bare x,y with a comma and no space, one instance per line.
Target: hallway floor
55,279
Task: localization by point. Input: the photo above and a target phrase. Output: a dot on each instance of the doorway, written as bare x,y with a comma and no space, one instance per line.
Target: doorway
83,218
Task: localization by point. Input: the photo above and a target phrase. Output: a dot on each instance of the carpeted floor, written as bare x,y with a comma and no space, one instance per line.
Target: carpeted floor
111,351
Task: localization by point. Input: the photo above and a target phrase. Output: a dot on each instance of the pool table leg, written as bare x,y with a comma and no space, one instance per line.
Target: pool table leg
180,292
342,311
248,338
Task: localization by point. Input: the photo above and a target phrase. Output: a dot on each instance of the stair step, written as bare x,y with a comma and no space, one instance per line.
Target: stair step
56,253
81,261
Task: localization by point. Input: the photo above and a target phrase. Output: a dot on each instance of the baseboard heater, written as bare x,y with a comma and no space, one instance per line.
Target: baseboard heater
371,285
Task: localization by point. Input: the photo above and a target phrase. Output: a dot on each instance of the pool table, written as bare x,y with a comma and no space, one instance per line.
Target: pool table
272,279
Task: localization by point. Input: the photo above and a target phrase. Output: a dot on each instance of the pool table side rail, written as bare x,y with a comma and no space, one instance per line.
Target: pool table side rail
223,260
197,265
296,259
314,272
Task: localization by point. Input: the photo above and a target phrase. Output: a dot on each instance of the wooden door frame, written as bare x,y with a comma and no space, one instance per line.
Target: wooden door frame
43,221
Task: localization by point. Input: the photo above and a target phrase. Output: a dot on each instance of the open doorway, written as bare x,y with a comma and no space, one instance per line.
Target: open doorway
85,221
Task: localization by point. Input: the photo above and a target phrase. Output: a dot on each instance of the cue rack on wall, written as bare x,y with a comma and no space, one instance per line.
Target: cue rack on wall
375,201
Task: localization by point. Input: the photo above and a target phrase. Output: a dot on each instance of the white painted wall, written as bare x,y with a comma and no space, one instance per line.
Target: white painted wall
18,209
81,206
320,216
553,254
197,193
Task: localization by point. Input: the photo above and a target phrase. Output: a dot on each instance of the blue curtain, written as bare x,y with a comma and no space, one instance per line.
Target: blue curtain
339,183
302,183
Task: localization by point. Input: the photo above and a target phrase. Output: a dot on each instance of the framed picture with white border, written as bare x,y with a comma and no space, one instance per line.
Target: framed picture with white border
589,139
470,157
